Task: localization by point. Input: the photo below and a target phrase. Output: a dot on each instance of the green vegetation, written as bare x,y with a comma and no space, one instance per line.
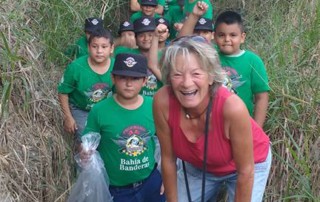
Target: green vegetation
35,153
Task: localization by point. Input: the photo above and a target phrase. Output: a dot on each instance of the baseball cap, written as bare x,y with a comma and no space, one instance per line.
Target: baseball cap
204,24
128,64
149,2
92,24
125,26
144,24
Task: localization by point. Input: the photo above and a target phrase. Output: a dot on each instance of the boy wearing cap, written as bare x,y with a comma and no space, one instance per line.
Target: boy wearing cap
148,8
164,34
80,48
144,30
195,24
126,35
127,144
86,81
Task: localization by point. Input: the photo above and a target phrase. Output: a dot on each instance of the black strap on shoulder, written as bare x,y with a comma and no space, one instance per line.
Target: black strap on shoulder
205,154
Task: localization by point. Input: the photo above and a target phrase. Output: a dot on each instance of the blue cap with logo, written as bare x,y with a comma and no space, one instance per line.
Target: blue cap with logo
128,64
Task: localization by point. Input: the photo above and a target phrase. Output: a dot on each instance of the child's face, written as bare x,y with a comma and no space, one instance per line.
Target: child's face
128,39
163,36
144,40
100,49
229,38
208,35
128,87
148,10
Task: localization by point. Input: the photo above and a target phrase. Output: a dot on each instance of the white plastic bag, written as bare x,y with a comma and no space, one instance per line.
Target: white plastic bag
93,182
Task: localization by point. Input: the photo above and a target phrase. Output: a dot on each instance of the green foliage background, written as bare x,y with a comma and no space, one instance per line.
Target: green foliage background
35,153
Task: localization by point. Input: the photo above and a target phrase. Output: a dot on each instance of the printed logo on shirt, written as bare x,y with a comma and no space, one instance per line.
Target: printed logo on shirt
133,140
234,76
133,143
97,93
151,83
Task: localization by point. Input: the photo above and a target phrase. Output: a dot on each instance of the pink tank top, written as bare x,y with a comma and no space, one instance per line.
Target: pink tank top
219,159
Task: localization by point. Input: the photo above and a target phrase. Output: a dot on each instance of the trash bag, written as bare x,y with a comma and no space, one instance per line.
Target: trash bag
93,182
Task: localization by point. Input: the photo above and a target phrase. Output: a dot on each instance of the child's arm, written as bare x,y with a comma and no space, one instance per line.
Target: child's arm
153,52
260,107
134,5
188,26
69,123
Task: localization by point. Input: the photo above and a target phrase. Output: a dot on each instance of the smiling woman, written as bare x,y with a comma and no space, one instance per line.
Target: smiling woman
201,122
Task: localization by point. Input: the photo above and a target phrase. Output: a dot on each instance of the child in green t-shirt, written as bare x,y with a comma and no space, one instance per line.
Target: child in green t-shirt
86,81
127,130
148,9
144,31
195,24
245,68
80,48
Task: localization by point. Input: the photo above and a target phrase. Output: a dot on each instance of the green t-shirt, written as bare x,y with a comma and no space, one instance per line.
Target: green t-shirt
79,49
139,14
153,84
84,86
127,140
174,15
248,75
188,8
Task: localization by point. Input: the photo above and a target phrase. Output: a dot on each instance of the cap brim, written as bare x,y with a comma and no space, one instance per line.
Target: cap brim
146,29
149,4
128,73
203,28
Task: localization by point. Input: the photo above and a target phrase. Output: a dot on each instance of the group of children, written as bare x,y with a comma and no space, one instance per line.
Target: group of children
108,87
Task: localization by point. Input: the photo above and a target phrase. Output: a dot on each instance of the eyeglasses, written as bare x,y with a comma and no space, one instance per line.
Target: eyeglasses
195,38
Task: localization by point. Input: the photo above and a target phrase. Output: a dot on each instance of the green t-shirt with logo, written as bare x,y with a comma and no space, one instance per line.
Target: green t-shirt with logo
84,86
127,139
153,84
248,75
188,8
79,49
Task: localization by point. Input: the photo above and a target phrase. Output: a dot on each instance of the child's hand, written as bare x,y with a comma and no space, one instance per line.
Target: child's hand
200,8
70,125
160,29
178,26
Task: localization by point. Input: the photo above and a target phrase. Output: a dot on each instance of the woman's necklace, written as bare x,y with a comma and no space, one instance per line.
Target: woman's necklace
189,117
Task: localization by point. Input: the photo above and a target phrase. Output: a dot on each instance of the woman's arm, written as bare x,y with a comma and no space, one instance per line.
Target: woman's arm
238,129
69,123
168,158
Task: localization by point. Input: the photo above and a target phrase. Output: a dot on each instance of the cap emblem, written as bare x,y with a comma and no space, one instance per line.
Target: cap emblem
126,24
161,20
146,21
202,21
130,62
95,21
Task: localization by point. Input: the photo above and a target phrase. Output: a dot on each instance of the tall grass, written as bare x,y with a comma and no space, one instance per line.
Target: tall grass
35,153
